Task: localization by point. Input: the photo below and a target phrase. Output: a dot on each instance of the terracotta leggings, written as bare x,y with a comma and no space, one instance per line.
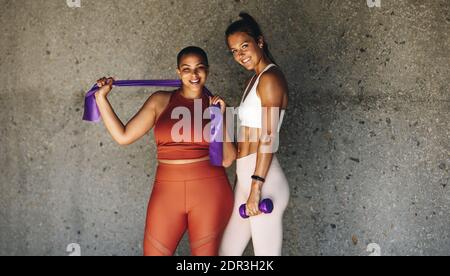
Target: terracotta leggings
196,197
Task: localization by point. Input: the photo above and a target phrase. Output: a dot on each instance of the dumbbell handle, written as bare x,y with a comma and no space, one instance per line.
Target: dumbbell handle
265,206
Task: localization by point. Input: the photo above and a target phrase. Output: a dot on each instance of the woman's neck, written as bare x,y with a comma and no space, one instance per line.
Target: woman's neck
263,63
191,94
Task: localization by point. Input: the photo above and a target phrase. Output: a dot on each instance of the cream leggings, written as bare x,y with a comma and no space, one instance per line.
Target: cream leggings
265,230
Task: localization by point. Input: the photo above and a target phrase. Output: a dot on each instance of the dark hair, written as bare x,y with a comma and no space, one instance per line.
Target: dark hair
249,26
192,50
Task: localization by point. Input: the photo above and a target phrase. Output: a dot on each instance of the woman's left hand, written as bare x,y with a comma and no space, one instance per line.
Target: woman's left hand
218,100
253,200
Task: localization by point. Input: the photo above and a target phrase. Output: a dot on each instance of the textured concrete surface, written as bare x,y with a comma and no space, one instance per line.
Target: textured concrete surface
365,143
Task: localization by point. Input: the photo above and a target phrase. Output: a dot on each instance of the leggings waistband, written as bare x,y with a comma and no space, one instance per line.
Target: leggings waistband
186,172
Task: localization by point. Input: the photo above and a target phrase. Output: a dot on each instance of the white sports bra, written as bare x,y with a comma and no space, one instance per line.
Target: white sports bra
250,110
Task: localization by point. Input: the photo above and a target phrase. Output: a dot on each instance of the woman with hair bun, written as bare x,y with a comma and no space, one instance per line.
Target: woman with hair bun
259,175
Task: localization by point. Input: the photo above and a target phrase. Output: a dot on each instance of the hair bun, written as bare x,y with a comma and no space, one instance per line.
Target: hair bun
247,17
251,21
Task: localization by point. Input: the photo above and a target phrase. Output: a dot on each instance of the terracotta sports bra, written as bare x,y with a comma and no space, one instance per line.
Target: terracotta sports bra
180,132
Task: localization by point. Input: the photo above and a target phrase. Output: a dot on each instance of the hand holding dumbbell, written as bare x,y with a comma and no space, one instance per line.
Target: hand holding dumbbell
265,206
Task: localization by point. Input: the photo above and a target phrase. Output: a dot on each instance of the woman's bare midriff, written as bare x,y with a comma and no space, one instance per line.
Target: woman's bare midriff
249,144
181,162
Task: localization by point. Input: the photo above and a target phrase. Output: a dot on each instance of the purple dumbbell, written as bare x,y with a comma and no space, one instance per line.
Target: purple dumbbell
265,206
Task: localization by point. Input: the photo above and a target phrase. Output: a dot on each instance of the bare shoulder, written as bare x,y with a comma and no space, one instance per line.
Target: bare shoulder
159,98
161,95
273,77
273,88
158,101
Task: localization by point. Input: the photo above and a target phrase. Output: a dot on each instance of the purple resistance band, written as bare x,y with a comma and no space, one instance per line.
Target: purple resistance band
92,114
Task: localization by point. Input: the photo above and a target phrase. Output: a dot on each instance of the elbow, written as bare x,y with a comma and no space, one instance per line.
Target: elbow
123,141
227,163
229,160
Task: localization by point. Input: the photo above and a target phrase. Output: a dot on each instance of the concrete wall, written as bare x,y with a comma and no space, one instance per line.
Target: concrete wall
365,144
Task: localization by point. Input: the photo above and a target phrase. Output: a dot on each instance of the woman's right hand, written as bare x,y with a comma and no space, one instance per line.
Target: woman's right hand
105,86
218,100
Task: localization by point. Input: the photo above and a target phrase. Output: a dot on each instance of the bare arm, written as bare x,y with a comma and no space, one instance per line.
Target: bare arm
272,89
137,127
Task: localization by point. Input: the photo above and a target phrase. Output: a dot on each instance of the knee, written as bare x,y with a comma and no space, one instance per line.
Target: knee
152,247
206,250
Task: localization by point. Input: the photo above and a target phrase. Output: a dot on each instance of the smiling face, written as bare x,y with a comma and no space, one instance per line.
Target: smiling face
246,51
193,71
